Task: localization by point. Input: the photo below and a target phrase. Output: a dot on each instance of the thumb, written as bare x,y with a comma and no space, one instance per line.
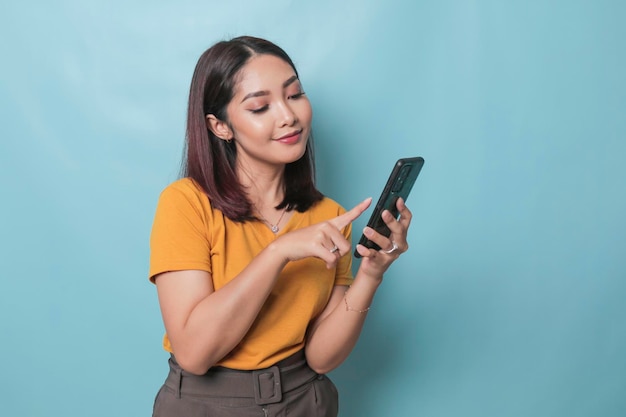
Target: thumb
348,217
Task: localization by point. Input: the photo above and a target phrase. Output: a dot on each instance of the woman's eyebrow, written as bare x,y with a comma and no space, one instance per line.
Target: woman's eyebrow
260,93
290,81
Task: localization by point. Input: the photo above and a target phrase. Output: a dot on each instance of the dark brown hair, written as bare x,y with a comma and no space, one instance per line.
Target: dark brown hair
210,161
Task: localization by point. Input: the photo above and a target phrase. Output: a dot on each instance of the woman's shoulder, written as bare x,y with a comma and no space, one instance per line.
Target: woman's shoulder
185,190
328,206
183,187
327,209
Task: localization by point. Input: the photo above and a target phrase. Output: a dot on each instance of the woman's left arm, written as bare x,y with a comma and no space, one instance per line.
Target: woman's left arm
333,335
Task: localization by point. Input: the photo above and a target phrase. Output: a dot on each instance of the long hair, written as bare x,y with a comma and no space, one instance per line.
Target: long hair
209,160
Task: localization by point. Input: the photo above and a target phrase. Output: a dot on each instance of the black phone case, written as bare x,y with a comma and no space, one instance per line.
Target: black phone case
398,185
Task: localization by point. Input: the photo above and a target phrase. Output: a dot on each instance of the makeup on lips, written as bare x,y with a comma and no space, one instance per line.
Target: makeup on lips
290,138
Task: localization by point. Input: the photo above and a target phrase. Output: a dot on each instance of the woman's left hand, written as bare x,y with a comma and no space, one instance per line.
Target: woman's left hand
376,262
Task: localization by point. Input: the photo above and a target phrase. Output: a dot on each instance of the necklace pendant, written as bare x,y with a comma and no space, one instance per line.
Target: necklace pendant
274,228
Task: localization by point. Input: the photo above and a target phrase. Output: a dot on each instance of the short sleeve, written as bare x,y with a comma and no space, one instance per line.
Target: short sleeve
179,238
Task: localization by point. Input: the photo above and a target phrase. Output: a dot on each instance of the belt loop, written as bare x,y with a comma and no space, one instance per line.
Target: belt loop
178,382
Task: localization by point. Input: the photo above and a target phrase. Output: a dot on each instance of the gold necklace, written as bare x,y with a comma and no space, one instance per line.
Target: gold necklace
273,227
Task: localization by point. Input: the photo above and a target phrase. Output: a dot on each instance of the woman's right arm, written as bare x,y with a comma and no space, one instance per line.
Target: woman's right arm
204,325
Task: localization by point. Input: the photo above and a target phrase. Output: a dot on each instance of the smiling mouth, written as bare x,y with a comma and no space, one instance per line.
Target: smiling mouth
290,138
290,135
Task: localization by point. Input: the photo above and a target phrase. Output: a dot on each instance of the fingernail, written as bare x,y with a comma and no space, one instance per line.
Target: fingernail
367,231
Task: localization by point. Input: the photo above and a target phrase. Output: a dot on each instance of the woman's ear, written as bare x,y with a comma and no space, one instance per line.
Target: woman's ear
219,128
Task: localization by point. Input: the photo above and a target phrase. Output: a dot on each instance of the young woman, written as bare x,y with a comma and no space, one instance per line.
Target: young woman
251,262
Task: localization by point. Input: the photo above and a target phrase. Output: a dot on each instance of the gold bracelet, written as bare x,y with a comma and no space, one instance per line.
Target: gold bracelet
348,308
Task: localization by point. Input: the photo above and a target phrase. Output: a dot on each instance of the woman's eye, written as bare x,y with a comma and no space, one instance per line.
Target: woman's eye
259,109
297,95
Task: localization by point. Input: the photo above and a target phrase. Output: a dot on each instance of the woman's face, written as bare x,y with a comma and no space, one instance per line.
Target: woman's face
269,114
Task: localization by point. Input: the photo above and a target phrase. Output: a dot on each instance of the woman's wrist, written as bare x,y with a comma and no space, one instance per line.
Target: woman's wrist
363,286
274,250
374,278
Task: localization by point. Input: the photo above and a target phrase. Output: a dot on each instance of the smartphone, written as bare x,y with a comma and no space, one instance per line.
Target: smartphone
399,184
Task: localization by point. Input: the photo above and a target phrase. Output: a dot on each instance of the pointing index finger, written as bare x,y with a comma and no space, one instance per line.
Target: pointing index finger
349,216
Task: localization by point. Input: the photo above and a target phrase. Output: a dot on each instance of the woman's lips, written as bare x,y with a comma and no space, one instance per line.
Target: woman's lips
290,138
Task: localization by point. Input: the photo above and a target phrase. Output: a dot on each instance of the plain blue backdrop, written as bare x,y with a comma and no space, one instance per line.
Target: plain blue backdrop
511,299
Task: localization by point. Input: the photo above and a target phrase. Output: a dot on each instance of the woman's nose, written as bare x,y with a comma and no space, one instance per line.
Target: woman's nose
287,115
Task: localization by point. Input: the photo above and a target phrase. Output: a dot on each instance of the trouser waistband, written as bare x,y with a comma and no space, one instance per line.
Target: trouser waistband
266,385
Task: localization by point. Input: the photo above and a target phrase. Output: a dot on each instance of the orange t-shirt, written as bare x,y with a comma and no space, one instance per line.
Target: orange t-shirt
189,234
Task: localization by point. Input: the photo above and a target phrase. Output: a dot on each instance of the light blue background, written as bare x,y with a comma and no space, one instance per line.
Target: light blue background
511,301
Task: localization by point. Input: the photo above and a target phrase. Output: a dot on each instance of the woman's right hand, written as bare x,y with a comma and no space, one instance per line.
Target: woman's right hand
320,240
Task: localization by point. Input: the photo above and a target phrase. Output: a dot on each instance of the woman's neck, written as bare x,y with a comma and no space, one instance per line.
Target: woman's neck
265,186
